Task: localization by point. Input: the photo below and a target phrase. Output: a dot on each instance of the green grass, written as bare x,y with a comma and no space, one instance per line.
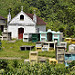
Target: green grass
47,54
15,51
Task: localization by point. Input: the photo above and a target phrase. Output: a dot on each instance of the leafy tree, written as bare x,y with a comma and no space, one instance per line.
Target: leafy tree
72,64
58,14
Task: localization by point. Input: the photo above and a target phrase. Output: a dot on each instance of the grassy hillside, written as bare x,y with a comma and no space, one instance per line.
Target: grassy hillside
13,50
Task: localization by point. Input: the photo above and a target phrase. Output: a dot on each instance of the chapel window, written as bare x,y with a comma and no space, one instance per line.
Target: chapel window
21,17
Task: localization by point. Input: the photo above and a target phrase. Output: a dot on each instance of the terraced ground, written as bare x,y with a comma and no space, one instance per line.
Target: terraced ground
12,49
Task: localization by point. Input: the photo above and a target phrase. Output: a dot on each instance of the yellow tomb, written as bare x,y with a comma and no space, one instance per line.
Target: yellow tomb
33,57
68,40
38,48
53,61
73,41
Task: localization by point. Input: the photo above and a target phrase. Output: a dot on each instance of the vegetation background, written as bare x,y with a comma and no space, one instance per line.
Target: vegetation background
58,14
16,67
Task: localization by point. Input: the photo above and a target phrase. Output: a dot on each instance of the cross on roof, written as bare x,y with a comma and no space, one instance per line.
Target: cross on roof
21,8
9,10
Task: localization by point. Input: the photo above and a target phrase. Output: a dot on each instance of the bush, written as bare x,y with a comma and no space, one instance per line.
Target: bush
72,64
15,63
36,69
3,64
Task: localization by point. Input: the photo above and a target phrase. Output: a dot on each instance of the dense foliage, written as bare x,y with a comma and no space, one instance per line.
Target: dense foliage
35,69
72,64
58,14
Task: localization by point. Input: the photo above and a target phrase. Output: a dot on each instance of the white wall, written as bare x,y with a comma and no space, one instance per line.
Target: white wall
41,27
14,30
29,29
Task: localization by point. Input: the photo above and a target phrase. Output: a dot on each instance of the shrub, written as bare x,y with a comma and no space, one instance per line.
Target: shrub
15,63
72,64
3,64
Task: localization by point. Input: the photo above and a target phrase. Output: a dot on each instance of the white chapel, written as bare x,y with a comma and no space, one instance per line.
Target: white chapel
24,23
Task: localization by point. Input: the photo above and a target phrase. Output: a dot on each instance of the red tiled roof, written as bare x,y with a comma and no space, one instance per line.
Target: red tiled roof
2,18
39,20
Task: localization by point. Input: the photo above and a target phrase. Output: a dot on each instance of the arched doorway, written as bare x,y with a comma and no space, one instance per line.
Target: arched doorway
20,33
49,36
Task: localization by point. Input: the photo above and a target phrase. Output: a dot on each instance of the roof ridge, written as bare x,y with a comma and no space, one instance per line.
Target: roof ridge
1,17
39,20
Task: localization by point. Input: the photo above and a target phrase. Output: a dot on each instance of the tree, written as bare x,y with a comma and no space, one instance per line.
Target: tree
72,64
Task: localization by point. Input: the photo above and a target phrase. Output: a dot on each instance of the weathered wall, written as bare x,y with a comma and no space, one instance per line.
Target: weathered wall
2,22
41,27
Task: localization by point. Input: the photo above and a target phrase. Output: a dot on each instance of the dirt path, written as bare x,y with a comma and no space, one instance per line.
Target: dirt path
10,58
43,57
18,58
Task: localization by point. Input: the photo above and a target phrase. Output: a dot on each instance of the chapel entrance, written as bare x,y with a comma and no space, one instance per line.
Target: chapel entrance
20,33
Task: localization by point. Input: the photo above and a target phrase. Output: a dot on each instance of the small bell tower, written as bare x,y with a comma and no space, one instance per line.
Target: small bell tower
34,17
9,17
21,8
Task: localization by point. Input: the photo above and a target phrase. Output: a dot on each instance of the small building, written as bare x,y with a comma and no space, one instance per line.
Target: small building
35,37
69,57
53,61
38,46
48,46
60,52
2,23
64,44
5,36
43,36
27,37
54,36
73,41
57,36
24,23
72,47
68,40
51,36
26,47
33,57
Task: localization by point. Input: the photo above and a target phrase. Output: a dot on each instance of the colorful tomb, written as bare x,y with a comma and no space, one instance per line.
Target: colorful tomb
72,47
48,46
68,40
73,41
53,61
33,57
60,51
51,36
35,37
69,57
